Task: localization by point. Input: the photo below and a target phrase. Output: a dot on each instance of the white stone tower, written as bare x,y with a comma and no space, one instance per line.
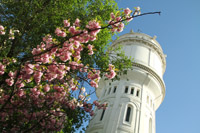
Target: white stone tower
133,100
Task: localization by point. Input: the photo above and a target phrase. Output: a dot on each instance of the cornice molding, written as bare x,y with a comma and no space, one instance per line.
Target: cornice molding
154,74
145,42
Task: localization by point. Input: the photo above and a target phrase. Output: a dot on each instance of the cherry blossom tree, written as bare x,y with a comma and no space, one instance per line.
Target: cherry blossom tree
38,89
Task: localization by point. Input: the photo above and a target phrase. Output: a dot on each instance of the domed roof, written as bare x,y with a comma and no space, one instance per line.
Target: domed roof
140,53
137,35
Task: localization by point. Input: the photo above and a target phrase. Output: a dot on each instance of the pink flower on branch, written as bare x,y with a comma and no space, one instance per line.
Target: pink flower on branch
127,11
66,23
2,68
10,81
77,23
2,32
112,73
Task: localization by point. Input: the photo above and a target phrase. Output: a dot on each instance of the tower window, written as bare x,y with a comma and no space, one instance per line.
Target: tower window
132,90
109,90
128,113
102,115
138,93
115,88
126,89
150,125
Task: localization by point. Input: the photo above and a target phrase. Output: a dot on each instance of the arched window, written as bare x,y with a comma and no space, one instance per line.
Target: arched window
109,90
126,89
150,125
138,93
128,114
102,114
132,90
115,88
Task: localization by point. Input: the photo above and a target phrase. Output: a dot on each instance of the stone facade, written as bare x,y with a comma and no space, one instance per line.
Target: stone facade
133,100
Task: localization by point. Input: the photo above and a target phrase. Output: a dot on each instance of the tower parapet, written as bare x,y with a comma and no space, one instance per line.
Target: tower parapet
133,100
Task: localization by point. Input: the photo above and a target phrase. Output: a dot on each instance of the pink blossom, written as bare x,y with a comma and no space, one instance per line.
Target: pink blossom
74,88
120,30
11,74
96,103
20,92
73,65
1,72
90,47
77,22
77,43
94,26
2,68
111,67
112,15
1,27
98,72
2,32
128,19
10,81
29,68
111,75
58,31
118,19
91,53
113,30
65,56
72,30
93,84
62,67
37,76
127,11
63,34
121,25
20,85
66,23
45,58
46,88
92,38
36,51
47,39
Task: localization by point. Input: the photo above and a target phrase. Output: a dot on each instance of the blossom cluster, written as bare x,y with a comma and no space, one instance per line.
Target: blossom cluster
53,77
2,32
2,68
116,20
42,88
111,72
116,23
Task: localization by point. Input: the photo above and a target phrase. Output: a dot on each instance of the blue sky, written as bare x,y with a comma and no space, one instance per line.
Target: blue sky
178,32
